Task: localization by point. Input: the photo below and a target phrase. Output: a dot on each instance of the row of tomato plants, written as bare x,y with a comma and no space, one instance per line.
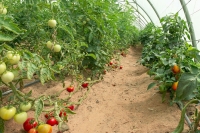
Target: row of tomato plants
50,40
173,62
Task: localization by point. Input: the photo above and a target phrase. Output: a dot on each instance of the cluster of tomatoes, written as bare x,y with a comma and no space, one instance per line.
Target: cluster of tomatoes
55,47
176,71
71,88
11,58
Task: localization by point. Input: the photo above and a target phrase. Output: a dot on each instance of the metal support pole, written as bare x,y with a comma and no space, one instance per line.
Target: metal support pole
189,22
154,9
144,11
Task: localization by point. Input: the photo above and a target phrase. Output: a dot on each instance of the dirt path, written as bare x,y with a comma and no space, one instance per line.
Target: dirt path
119,104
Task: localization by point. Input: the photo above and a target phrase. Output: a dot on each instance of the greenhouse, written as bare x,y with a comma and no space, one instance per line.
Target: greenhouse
99,66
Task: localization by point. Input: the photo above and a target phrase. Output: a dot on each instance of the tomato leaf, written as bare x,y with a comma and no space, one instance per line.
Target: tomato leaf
31,69
9,25
90,36
6,37
92,55
1,125
187,84
39,105
45,75
69,111
151,85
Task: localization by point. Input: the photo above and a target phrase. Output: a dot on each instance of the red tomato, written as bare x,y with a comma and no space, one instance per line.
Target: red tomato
62,112
70,89
120,67
32,130
71,107
110,63
29,123
84,85
52,121
49,115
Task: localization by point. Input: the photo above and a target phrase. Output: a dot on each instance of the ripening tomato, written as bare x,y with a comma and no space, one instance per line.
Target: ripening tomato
7,113
176,69
175,85
52,23
32,130
70,89
20,117
29,123
44,128
52,121
85,85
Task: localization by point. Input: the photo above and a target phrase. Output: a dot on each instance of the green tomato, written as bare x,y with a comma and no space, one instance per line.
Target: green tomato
9,55
20,117
7,77
15,59
52,23
7,113
4,11
57,48
2,67
49,44
25,106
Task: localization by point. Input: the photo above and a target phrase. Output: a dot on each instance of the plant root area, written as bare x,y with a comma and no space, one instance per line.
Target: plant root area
120,103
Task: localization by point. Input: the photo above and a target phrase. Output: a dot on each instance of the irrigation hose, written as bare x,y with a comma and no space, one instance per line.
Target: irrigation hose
180,105
27,85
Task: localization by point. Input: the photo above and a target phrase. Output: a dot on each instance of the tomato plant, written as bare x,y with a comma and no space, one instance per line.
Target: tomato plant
29,123
67,41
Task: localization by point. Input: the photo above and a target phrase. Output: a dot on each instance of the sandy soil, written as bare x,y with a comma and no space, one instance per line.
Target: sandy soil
120,103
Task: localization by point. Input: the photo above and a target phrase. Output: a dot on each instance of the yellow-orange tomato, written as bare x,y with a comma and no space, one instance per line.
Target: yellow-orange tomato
44,128
175,85
176,69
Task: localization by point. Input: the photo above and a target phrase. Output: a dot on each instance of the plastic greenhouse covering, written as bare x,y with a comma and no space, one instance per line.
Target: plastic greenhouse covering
151,10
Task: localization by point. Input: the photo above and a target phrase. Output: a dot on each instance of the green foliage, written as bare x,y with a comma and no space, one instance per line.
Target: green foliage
102,26
145,34
8,29
164,48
